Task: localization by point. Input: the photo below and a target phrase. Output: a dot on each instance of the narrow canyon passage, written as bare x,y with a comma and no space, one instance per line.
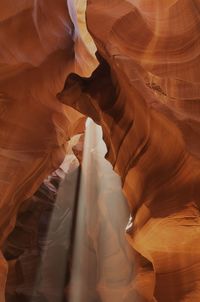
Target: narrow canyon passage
103,262
132,68
43,264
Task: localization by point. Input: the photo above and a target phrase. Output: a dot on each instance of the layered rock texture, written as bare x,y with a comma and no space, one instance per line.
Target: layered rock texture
145,95
40,45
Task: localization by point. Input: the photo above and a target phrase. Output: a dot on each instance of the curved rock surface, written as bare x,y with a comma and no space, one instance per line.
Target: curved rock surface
40,45
145,95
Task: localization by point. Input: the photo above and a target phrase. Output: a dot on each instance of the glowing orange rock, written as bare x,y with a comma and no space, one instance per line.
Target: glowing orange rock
145,95
40,45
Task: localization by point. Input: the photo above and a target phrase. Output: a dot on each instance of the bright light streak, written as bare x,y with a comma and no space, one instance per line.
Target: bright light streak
101,269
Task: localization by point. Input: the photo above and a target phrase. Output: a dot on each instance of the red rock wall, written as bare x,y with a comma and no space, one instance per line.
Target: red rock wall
145,95
40,45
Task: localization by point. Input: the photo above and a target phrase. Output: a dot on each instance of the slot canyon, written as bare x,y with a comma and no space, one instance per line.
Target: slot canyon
100,151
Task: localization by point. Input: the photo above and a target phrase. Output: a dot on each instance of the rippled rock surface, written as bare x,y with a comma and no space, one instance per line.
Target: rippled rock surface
145,95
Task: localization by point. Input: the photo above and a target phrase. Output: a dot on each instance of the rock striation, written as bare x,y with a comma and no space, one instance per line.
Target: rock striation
145,95
40,45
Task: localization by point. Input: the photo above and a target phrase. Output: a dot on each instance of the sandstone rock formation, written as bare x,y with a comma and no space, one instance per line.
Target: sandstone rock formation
145,95
39,249
41,240
40,45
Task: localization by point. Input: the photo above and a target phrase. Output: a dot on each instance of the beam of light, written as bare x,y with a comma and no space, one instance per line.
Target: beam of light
101,269
57,243
52,255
